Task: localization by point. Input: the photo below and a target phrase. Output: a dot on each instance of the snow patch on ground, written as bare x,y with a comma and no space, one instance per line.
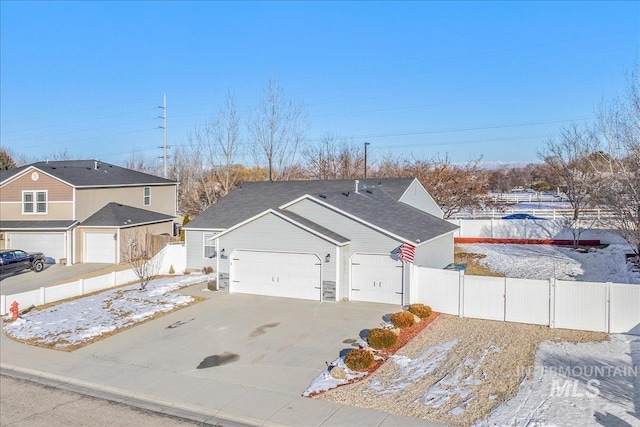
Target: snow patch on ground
546,261
81,320
578,385
325,381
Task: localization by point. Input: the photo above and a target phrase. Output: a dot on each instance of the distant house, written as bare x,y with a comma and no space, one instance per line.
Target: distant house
82,210
330,240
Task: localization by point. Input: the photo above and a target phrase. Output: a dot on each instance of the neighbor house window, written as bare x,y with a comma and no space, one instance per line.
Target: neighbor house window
34,202
209,245
147,196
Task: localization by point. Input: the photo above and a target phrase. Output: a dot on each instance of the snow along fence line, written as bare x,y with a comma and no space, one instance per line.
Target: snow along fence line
79,287
592,306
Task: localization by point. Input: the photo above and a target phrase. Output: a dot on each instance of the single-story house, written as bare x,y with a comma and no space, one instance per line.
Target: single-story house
321,240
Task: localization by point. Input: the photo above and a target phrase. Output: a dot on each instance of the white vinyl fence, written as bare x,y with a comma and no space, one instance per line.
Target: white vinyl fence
602,307
68,290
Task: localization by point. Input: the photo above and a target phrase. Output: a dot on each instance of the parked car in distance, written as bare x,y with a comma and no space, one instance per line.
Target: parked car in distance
521,216
13,261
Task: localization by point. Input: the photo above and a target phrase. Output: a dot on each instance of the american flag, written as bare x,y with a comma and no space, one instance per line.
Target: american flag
406,252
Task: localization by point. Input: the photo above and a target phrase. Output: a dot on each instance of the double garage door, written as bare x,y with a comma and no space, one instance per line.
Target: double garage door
279,274
376,278
52,245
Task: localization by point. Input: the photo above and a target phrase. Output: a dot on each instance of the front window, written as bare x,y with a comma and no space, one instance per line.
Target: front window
147,196
209,245
34,202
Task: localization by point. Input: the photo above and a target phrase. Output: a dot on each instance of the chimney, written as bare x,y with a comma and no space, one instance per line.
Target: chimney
357,185
95,164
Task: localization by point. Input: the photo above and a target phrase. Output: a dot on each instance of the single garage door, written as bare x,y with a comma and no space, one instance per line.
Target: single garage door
99,247
279,274
52,245
376,278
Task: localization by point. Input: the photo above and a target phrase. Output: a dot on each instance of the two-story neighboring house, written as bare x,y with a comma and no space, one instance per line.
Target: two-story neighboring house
82,210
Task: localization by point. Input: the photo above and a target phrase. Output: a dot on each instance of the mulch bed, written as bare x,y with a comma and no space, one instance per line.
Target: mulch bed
405,336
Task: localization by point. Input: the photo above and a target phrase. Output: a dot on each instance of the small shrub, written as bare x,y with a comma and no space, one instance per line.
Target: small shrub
171,270
379,338
358,359
403,319
420,310
207,270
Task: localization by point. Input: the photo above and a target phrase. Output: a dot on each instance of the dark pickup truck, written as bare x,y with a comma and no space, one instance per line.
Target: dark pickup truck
13,261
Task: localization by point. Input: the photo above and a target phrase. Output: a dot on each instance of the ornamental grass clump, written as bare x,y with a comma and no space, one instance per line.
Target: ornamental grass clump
380,338
359,359
403,319
420,310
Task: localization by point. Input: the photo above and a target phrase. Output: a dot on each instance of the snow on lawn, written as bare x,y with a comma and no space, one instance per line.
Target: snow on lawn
578,385
81,320
546,261
325,381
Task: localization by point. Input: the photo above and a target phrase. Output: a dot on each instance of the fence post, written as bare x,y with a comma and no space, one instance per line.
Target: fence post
461,294
43,300
113,279
81,286
504,301
552,302
608,306
3,305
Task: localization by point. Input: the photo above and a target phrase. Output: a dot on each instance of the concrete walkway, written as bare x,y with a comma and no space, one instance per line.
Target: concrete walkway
150,374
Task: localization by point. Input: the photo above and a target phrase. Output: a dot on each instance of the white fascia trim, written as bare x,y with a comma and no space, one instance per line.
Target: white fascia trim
416,180
213,230
122,227
353,217
140,184
31,169
310,230
433,238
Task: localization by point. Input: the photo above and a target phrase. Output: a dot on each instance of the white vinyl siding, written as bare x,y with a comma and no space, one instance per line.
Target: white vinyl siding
438,253
34,202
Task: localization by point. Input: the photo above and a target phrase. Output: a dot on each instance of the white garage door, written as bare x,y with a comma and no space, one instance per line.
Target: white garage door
52,245
99,247
280,274
376,278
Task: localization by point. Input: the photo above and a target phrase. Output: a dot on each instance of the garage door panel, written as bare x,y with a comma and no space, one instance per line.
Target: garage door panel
99,247
376,278
52,245
281,274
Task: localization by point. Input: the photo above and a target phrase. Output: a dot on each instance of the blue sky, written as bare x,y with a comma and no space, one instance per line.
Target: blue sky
414,79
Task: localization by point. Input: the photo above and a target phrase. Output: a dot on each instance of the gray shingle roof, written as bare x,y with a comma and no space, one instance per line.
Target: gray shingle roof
312,225
37,225
117,215
84,173
379,206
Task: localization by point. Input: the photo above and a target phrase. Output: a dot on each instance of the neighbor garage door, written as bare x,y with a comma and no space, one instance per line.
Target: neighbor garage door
52,245
376,278
99,247
280,274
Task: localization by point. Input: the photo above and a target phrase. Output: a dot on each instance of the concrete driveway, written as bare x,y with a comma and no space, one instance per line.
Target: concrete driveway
53,274
269,343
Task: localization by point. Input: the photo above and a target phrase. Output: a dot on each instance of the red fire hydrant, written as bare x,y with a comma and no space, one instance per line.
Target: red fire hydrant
14,310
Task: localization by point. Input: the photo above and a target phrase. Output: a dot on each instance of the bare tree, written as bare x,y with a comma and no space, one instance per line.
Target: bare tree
136,253
453,187
226,132
139,162
277,127
619,123
570,161
334,158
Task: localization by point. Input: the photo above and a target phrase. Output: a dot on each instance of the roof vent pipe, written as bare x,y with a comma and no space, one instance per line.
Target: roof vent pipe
95,164
357,185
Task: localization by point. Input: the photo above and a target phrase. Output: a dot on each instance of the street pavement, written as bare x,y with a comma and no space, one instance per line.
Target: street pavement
238,358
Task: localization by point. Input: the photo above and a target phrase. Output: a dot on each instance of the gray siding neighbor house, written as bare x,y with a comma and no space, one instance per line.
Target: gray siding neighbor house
321,240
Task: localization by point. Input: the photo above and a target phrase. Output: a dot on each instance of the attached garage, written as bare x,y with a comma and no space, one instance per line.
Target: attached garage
280,274
99,247
376,278
52,244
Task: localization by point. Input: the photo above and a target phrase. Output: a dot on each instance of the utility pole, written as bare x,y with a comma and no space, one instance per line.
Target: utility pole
164,129
366,144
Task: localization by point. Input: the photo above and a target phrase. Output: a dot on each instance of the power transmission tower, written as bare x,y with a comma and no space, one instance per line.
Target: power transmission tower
164,128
